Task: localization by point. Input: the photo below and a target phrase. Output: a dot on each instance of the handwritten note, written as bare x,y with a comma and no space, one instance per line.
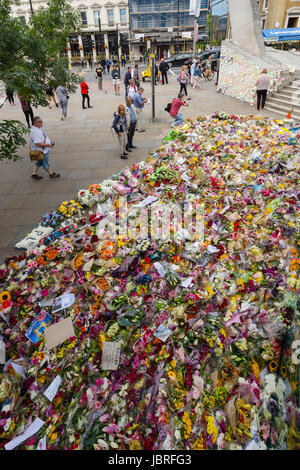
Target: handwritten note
29,432
111,355
52,389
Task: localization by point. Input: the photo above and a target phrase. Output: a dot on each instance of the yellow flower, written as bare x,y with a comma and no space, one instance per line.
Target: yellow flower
54,437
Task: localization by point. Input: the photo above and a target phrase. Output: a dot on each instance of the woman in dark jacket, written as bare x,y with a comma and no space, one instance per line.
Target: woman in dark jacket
27,110
120,127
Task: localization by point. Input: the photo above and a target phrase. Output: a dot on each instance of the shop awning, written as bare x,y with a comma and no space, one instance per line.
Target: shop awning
280,35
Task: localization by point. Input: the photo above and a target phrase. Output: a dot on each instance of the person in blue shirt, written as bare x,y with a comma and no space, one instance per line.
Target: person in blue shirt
139,103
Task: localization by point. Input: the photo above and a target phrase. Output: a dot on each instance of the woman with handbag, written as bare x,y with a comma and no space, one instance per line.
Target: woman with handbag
62,94
120,127
40,148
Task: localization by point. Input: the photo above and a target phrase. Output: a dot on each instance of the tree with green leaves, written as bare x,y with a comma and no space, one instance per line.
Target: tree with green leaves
30,57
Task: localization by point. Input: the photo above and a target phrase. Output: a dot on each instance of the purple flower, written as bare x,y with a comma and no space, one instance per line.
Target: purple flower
111,429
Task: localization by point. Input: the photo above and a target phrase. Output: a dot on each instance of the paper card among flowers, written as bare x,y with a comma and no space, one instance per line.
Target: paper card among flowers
38,326
59,332
111,355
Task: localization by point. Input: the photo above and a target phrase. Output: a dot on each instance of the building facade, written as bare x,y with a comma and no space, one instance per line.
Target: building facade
279,13
219,14
104,27
164,26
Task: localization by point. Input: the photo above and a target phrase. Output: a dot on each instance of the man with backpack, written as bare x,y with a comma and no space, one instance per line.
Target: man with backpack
163,68
174,109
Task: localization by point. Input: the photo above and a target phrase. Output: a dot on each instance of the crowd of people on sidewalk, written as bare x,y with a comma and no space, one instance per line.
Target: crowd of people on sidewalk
128,118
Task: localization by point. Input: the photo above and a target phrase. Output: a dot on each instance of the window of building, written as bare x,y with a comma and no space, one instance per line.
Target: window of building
83,18
110,17
123,16
96,17
293,22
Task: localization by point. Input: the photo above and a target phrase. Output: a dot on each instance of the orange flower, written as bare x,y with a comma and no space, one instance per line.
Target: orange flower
103,284
78,261
51,254
41,260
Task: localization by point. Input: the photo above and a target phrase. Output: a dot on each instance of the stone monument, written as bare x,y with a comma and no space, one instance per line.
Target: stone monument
245,26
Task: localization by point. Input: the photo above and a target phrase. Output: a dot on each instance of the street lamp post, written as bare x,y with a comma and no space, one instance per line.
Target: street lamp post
100,35
31,7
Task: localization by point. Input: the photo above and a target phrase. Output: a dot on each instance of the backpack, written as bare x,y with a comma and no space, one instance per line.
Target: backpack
179,78
168,107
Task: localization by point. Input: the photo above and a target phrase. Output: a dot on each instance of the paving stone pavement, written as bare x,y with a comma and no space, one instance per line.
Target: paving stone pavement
86,151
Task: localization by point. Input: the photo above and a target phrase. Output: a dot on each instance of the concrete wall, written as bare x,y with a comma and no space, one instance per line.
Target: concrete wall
245,26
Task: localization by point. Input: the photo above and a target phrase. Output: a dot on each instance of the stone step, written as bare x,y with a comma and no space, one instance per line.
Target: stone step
281,107
292,88
268,107
288,104
288,93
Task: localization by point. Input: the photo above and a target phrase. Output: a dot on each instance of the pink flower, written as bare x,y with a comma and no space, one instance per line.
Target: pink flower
97,405
99,382
111,429
104,418
44,292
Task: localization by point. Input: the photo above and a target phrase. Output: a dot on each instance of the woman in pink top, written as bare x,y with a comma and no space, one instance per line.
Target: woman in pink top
262,85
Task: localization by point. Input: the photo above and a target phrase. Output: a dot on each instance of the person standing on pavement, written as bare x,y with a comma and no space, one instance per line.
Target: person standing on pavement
123,62
136,75
50,95
184,80
115,73
262,85
39,141
174,111
27,109
189,64
131,123
103,64
139,103
128,76
197,76
164,67
10,96
99,76
120,126
90,63
131,89
85,93
108,64
63,97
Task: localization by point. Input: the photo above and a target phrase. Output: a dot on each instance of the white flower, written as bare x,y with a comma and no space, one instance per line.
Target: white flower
177,435
7,425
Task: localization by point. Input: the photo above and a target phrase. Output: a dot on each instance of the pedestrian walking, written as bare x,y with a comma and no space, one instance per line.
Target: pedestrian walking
136,75
208,71
123,60
40,141
189,65
184,78
90,63
108,64
139,103
120,127
262,85
115,73
27,110
85,94
175,107
197,76
50,95
99,76
156,74
131,123
63,97
128,76
10,96
131,89
103,64
82,64
164,67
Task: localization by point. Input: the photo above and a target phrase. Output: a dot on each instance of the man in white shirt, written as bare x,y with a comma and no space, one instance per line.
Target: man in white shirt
39,141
